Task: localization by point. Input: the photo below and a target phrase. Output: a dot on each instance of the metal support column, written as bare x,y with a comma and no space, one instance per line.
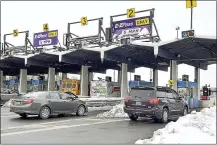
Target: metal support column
155,77
84,80
174,74
51,79
23,81
197,79
124,81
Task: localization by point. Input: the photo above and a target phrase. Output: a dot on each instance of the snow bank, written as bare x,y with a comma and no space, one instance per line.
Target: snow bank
116,111
194,128
7,104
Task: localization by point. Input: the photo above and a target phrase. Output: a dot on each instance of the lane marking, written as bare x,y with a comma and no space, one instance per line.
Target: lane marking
9,116
58,127
2,113
46,123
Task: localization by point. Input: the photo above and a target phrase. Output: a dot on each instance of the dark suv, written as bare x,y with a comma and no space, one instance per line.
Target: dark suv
159,103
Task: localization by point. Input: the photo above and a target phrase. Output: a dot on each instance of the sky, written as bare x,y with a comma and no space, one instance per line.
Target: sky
168,15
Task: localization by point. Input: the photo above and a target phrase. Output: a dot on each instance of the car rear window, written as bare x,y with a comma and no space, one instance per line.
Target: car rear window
143,93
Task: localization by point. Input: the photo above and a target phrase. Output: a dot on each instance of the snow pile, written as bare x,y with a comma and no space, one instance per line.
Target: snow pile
7,104
194,128
116,111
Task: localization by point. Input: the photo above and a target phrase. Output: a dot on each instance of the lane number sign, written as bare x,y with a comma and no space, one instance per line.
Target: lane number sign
84,21
131,13
15,33
45,27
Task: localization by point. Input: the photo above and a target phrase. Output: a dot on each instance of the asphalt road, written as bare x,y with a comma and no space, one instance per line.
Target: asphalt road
73,129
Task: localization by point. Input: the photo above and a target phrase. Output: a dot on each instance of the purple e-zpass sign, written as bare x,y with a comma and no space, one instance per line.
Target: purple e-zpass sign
45,38
129,27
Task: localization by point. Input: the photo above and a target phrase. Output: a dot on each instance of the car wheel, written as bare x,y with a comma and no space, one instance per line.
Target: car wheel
44,112
23,115
133,117
165,116
80,110
185,111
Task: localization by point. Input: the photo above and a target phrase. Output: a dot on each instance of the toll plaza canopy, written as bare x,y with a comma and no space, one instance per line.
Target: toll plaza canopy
197,51
91,57
11,65
51,59
136,55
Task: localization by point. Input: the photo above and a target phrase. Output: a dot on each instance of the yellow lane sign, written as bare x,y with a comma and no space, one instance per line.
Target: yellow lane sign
142,22
170,82
84,21
131,13
191,3
45,27
15,33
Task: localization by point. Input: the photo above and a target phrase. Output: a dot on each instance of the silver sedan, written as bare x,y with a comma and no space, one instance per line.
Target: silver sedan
47,103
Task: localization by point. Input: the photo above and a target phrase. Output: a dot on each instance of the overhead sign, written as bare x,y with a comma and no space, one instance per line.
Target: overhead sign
45,38
45,27
191,3
170,82
15,33
189,33
129,27
131,13
84,21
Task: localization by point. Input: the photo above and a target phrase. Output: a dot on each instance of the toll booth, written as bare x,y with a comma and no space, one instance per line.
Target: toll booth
187,90
37,85
13,84
104,88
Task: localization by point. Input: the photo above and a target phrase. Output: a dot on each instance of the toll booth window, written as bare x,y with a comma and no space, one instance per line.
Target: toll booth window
69,85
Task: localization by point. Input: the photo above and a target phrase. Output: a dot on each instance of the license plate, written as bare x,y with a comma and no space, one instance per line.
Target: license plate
138,103
17,103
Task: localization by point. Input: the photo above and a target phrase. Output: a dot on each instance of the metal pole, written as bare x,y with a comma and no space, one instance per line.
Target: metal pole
177,35
68,36
191,14
114,75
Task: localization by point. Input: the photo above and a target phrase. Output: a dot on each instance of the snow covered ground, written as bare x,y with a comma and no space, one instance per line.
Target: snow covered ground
194,128
116,111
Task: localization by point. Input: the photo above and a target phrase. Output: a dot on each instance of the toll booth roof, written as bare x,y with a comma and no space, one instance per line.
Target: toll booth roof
13,62
31,70
89,57
137,55
198,51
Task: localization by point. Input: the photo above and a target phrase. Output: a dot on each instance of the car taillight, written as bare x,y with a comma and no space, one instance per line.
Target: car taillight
154,100
30,101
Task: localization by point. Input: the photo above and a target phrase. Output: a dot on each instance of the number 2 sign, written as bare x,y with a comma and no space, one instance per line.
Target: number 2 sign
131,13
